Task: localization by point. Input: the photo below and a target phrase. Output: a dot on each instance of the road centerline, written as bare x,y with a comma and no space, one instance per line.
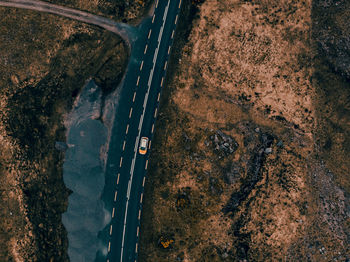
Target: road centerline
140,124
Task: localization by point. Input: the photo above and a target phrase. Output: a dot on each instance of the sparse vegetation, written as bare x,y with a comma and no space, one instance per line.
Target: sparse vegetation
45,61
248,71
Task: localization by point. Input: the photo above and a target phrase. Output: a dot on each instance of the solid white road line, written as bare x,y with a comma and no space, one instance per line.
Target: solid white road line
141,66
144,52
140,127
113,212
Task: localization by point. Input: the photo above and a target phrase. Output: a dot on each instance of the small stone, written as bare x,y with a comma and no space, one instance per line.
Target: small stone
257,130
280,144
216,139
268,150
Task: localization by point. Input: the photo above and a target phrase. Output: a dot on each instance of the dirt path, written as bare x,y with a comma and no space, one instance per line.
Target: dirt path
124,30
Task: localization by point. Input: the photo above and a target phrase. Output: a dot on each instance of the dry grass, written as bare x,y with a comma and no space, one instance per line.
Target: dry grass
245,62
44,61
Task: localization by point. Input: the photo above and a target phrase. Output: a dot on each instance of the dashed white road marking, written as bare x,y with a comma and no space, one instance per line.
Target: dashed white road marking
139,214
177,16
109,246
141,66
172,34
154,15
115,195
158,97
161,82
146,164
149,33
149,145
144,52
127,129
136,247
155,112
140,127
137,232
157,3
143,182
152,128
169,49
141,198
113,212
118,179
110,230
124,145
180,4
138,80
133,99
121,162
130,113
165,65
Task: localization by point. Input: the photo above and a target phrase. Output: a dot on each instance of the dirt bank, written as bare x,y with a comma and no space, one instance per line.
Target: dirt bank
44,62
235,171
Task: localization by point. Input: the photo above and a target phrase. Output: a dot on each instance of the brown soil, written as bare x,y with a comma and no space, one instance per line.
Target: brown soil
246,71
44,62
128,11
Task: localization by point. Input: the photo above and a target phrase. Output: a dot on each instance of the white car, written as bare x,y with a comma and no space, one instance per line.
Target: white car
143,145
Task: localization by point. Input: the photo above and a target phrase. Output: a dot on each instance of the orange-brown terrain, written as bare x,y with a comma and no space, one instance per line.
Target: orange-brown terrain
240,169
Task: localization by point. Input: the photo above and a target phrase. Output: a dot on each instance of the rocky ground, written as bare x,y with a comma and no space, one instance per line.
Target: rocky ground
250,158
44,62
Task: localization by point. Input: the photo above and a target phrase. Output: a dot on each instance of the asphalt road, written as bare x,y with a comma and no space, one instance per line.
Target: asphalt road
135,117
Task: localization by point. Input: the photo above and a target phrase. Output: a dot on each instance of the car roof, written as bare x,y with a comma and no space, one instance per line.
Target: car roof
144,141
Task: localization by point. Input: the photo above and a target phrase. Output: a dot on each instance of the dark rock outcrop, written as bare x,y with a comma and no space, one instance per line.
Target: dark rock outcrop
253,175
